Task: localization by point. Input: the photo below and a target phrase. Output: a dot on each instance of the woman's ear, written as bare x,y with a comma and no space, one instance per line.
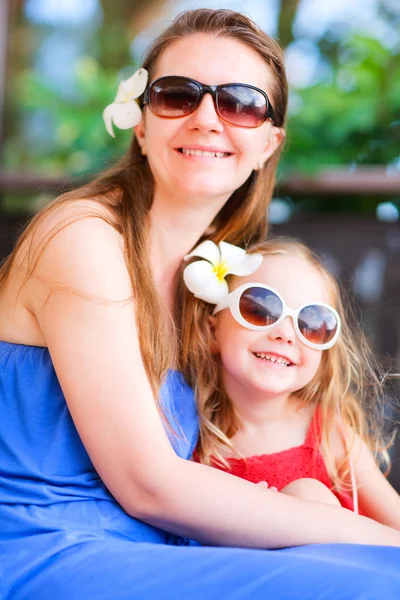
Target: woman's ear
275,139
140,136
212,324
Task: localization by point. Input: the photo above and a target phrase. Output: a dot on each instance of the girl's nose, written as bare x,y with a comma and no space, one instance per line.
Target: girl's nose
205,117
283,332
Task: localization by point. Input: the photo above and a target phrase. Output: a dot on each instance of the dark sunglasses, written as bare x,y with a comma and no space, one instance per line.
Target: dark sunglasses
240,104
259,307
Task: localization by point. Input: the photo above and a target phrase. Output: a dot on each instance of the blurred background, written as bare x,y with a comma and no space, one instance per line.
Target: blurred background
339,180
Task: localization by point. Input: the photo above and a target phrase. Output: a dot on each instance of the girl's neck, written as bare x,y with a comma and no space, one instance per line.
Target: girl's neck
270,425
256,412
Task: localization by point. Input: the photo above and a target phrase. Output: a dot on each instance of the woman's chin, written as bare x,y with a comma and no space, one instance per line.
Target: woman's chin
209,187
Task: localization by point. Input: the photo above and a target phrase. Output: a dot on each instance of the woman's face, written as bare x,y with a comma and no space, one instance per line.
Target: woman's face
211,60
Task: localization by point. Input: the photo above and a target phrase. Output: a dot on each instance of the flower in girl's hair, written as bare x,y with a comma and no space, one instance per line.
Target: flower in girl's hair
206,278
125,112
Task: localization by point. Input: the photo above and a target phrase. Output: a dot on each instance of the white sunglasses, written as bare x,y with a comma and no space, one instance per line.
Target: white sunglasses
259,307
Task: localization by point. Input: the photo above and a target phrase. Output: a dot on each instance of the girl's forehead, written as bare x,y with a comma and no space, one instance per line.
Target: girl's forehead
293,276
213,60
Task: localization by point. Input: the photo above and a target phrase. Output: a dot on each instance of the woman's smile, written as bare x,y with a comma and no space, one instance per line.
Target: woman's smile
201,152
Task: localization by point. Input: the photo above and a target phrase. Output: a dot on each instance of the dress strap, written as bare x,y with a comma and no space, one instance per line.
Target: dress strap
313,437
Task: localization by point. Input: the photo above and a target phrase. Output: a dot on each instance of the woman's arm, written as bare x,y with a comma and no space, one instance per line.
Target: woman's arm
79,295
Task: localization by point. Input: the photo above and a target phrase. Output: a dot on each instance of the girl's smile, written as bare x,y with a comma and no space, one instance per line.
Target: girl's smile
274,360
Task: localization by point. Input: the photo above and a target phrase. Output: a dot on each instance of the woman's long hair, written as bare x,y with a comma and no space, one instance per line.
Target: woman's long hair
127,191
347,387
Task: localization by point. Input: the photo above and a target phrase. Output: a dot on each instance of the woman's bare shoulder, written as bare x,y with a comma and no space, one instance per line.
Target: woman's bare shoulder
77,246
60,221
65,246
65,213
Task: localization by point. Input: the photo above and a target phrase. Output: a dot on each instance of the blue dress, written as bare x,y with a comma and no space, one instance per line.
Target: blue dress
64,537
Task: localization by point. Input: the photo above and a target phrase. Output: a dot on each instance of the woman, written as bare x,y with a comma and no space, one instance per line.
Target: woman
92,477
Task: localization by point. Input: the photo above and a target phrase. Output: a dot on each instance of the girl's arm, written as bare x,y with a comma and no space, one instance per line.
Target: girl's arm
377,498
80,295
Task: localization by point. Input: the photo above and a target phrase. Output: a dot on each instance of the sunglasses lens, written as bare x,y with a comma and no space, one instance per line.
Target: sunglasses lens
173,97
241,105
318,324
260,307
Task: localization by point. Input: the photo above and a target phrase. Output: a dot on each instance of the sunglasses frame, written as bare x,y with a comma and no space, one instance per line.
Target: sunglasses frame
232,301
213,90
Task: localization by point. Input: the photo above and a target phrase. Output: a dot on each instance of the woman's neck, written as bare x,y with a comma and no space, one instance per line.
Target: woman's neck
173,231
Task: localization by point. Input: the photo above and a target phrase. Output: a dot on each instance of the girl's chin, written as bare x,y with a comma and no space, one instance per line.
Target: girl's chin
271,386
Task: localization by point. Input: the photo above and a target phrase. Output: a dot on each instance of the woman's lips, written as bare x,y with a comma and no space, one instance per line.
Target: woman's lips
204,152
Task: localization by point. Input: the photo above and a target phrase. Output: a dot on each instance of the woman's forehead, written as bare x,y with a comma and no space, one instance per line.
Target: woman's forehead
213,60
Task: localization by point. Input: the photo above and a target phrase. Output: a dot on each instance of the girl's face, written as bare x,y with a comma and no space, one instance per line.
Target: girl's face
245,373
210,60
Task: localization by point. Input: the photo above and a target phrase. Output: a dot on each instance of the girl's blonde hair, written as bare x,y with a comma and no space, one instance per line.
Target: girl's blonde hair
127,190
347,387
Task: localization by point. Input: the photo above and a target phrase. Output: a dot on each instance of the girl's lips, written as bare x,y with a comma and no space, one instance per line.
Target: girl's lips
273,359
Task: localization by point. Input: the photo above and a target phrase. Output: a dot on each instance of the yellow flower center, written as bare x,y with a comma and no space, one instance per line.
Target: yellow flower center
221,270
127,97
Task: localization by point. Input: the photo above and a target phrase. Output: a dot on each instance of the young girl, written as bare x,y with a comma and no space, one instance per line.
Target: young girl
287,391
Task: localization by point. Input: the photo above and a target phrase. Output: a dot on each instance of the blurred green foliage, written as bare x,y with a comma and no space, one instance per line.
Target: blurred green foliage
77,142
354,118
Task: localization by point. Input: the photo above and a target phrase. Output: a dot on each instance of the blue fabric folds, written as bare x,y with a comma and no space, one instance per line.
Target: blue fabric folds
63,536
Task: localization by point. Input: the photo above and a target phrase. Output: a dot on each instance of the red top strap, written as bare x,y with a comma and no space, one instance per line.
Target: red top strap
314,432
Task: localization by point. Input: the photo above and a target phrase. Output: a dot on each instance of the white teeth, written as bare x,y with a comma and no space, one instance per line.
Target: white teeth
205,153
272,358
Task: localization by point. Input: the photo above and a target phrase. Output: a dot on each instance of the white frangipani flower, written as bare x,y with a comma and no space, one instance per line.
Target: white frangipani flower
206,278
125,112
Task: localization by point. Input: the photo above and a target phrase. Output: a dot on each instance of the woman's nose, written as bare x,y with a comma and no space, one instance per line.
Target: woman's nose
205,117
283,332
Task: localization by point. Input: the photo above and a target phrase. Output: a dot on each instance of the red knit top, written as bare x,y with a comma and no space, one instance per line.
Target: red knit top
281,468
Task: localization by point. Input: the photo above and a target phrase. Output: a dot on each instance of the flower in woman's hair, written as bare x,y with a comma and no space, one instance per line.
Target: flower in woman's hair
206,278
125,112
